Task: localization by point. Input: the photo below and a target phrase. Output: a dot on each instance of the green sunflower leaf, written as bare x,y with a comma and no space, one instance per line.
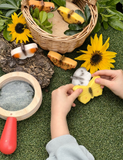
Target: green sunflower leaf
18,2
8,14
105,25
100,9
104,18
6,34
2,21
115,12
103,1
97,27
7,6
1,28
121,1
112,2
12,2
115,23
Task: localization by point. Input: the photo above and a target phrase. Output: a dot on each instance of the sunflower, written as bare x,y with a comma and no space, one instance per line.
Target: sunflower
18,29
96,57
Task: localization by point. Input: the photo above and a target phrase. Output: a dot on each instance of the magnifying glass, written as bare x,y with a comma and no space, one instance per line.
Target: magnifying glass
8,141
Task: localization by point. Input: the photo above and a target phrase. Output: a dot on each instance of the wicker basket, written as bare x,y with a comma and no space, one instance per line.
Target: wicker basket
61,44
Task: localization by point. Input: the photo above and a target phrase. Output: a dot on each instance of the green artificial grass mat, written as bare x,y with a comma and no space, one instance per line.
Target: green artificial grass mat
98,125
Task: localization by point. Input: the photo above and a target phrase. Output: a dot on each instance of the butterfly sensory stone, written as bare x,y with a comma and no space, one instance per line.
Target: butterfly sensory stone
90,91
25,51
81,77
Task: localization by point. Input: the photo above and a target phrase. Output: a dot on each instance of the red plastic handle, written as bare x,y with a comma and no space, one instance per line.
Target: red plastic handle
8,141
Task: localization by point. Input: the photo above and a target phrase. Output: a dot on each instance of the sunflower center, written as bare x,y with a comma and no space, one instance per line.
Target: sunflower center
19,28
96,58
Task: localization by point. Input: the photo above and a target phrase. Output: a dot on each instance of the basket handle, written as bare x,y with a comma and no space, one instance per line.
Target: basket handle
93,2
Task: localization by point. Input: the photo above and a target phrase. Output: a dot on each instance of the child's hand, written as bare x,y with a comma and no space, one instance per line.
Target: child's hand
113,79
63,98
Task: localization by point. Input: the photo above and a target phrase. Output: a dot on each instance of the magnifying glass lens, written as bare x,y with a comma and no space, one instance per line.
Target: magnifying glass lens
16,95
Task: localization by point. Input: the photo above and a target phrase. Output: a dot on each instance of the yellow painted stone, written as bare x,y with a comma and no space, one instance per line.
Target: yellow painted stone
90,91
70,16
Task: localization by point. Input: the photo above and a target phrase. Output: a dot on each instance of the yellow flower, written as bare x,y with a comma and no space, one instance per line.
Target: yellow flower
18,29
96,57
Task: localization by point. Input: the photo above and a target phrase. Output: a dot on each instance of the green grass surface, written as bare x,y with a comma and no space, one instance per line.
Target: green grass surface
98,125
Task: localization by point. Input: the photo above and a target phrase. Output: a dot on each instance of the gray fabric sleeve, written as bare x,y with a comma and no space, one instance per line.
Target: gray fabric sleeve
66,148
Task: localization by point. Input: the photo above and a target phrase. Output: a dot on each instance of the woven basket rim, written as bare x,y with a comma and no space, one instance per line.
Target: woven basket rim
25,11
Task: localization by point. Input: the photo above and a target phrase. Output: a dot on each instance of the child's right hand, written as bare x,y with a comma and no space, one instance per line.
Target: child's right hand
63,98
113,79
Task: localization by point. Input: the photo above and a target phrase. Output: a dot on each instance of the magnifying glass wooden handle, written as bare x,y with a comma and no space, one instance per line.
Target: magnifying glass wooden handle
8,141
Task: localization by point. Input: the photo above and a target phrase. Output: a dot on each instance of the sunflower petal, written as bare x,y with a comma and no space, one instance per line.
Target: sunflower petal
105,46
86,65
100,43
83,57
96,57
93,69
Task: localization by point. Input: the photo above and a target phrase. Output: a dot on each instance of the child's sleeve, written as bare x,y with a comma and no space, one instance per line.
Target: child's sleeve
66,148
